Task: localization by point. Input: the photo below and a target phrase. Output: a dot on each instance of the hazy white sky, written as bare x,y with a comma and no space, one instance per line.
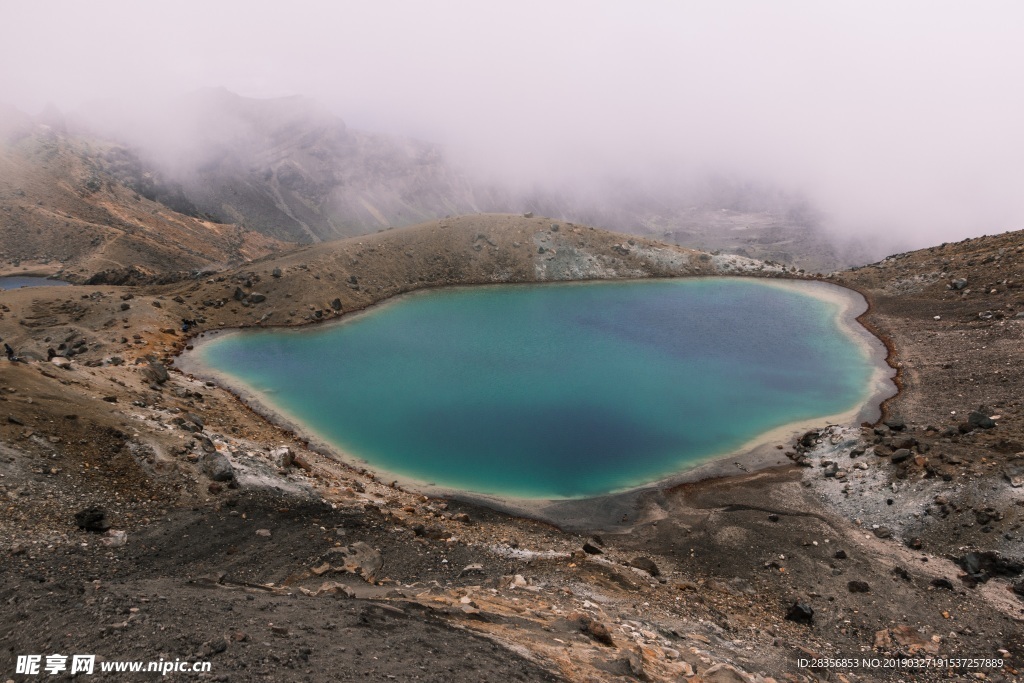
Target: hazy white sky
903,117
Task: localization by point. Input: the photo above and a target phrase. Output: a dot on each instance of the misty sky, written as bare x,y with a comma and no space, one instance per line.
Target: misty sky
894,117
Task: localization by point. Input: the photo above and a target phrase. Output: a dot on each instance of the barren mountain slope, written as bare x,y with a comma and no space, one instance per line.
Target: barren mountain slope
60,211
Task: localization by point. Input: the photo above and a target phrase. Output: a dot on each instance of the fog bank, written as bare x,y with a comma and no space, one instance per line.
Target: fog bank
895,120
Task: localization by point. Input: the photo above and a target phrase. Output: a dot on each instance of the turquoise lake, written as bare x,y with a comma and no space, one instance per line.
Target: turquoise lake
556,390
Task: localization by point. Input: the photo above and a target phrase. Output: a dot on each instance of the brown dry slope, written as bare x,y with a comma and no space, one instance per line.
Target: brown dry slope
61,212
243,554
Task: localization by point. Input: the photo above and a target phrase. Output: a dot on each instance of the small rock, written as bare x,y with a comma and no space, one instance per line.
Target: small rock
597,630
155,372
115,539
882,532
942,583
263,533
896,424
858,587
218,467
591,549
801,613
900,455
92,519
281,456
645,564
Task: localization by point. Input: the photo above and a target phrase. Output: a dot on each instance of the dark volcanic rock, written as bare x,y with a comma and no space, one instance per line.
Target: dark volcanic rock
92,519
801,613
982,566
858,587
218,467
979,419
900,455
896,424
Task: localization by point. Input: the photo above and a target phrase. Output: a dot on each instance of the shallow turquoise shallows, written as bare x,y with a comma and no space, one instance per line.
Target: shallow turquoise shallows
561,390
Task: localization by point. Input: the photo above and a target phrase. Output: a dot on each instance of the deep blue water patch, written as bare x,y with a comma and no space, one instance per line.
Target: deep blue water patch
557,391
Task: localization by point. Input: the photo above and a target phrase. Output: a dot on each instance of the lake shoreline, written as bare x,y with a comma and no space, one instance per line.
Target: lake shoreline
622,508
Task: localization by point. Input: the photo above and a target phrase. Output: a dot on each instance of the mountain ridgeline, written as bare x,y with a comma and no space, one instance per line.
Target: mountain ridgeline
289,170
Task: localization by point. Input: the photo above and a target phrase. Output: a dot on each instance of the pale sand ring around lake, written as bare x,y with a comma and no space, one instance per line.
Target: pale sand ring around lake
619,508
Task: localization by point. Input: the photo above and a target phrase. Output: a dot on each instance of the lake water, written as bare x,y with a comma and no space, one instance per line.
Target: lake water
18,281
560,390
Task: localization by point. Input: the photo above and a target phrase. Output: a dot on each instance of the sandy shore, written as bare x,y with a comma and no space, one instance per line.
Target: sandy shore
619,509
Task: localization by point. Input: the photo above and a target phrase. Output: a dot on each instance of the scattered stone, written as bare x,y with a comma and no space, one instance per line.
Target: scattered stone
982,566
115,539
92,519
896,424
276,272
979,419
155,372
841,554
635,659
263,533
645,564
597,630
461,517
901,455
801,613
336,304
858,587
959,283
591,549
882,532
942,583
217,467
282,456
908,637
773,517
360,559
257,298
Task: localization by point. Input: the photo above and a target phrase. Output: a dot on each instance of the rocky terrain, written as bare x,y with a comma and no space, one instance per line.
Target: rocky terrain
149,514
61,210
